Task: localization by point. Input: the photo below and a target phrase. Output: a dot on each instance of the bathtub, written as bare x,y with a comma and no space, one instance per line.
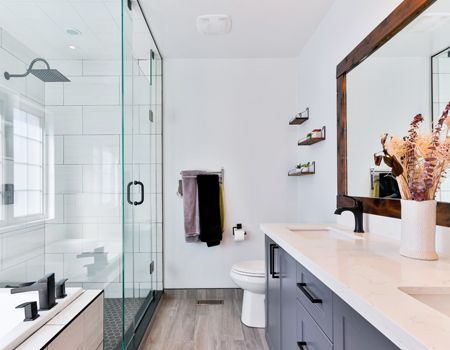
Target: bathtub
13,330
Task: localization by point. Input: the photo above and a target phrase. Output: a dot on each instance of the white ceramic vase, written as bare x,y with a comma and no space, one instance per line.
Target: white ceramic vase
419,230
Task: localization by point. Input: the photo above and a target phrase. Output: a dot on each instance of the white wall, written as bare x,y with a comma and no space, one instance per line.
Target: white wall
340,31
230,113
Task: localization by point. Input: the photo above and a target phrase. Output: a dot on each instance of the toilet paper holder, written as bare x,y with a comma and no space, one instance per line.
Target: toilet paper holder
238,227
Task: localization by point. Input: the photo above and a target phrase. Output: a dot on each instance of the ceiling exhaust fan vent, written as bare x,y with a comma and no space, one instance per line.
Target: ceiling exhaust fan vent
214,24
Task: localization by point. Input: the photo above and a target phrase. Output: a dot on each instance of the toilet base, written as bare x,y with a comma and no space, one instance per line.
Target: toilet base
253,310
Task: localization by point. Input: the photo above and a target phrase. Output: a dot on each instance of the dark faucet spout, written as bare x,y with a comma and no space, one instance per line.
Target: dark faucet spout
357,210
46,288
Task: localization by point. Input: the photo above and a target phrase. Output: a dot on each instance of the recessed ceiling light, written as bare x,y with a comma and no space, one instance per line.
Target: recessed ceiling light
214,24
73,31
72,47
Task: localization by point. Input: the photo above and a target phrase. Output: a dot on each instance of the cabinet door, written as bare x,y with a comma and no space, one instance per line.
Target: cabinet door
353,332
288,274
321,309
71,338
273,296
309,334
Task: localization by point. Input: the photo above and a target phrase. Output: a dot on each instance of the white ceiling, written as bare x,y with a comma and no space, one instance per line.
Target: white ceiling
260,28
40,25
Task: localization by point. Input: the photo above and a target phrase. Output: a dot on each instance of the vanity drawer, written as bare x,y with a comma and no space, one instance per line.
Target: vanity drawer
309,334
317,298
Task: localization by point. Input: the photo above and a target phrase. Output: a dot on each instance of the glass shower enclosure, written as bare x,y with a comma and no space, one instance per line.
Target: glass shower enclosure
81,154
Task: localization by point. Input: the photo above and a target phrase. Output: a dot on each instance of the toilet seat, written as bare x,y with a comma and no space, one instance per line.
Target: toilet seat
251,268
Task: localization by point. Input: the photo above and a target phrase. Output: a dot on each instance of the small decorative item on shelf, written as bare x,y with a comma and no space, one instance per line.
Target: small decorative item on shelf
303,169
419,162
300,118
313,137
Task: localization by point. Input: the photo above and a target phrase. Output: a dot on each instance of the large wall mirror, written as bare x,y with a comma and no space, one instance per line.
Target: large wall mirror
401,69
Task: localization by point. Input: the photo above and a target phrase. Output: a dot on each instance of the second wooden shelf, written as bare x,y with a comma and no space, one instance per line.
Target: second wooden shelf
307,141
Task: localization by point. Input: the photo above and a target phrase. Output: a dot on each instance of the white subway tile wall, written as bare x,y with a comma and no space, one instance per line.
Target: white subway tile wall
82,237
441,97
22,247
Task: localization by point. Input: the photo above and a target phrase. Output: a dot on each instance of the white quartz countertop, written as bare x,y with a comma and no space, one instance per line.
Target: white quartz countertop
371,276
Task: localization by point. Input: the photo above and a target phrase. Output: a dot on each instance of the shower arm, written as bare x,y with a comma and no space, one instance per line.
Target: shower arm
30,68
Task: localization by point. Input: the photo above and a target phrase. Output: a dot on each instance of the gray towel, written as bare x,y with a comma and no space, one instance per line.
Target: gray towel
190,204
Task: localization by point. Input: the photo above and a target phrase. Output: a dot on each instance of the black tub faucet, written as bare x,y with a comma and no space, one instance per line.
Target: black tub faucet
357,210
46,288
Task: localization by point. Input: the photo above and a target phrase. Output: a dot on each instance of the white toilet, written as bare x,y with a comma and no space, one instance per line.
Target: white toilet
250,276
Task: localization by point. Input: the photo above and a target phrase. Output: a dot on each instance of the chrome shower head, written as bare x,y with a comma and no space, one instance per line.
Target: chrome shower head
47,75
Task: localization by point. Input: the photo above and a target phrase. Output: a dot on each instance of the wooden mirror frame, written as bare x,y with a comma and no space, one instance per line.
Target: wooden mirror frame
404,14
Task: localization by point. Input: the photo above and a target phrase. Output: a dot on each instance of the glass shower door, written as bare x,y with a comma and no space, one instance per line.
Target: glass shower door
138,262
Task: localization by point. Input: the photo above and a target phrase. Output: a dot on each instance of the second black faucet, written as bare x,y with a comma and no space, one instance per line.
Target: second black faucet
357,210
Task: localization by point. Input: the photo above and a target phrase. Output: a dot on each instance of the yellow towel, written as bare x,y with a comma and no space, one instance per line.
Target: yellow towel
222,207
376,188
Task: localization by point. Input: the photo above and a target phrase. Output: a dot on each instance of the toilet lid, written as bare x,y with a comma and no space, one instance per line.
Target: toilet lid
250,268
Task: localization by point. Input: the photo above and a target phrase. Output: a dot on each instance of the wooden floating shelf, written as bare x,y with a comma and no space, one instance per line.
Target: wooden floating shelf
312,140
301,173
298,172
300,118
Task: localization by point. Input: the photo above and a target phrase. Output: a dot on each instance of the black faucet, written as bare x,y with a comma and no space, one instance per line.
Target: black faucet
357,211
46,288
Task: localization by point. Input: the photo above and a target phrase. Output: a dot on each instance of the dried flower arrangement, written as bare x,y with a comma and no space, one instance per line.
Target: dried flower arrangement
419,161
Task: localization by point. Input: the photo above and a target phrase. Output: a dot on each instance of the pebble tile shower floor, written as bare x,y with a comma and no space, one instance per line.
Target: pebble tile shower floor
113,320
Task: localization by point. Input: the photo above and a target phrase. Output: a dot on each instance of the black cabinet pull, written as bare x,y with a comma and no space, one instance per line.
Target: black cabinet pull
312,299
302,345
272,261
142,192
129,193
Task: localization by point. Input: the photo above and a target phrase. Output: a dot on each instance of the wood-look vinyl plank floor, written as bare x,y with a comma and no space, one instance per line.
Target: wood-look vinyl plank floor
181,324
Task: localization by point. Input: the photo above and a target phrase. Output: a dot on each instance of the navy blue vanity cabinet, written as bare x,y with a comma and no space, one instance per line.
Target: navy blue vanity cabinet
273,295
302,313
353,332
288,270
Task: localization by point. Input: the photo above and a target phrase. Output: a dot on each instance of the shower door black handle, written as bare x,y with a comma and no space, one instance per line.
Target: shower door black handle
142,192
129,192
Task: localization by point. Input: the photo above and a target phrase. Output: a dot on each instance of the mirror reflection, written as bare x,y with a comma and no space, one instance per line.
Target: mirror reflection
409,75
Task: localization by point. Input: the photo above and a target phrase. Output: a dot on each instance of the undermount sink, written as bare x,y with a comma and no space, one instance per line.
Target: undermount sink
437,298
331,231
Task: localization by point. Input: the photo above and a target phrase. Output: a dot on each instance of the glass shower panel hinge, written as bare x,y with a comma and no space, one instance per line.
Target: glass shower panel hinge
150,115
152,267
8,194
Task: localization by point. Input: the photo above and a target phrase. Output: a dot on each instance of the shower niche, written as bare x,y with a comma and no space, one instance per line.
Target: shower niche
81,154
